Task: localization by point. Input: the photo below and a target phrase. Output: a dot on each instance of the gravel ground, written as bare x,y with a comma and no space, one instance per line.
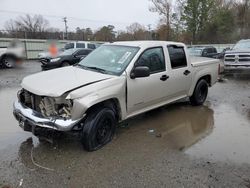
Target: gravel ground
175,146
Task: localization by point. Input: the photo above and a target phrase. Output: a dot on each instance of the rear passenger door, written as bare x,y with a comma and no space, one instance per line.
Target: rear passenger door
180,76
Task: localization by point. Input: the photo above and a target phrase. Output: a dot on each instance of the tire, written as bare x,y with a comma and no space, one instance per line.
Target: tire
65,64
200,93
8,62
99,128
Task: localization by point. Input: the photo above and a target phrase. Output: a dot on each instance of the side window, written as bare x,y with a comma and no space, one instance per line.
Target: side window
154,59
210,50
80,45
91,46
69,46
177,56
81,52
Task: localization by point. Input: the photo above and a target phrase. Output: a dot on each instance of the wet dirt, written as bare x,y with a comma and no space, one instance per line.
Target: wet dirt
174,146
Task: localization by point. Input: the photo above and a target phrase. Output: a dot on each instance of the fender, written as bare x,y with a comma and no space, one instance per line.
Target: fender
88,96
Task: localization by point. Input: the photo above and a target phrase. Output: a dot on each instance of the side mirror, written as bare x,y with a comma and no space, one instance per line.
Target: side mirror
140,72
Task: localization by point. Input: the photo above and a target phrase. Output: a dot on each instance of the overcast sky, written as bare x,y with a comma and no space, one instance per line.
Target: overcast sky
82,13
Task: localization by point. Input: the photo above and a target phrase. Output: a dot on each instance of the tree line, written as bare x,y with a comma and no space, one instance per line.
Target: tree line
189,21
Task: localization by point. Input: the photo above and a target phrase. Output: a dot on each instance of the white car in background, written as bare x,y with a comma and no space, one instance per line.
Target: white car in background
11,55
82,44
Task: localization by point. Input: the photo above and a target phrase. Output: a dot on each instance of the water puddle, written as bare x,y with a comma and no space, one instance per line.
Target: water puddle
218,132
10,132
230,139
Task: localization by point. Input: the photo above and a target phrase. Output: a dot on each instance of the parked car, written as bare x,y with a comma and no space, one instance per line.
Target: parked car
66,58
237,59
203,51
11,55
115,82
45,55
81,44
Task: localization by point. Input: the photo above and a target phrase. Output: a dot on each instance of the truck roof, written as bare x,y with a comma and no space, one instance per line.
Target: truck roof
146,44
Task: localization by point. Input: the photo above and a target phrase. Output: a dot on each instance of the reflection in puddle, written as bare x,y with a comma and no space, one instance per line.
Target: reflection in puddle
179,125
230,139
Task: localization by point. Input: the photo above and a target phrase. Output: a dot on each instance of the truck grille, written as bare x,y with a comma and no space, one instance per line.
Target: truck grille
236,58
30,100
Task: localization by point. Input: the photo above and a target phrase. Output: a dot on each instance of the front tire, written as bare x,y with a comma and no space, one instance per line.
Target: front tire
99,129
200,93
65,64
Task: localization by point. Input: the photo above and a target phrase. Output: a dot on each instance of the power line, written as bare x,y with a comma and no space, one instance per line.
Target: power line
73,18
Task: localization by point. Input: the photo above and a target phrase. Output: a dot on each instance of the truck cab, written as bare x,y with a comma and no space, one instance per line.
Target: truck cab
115,82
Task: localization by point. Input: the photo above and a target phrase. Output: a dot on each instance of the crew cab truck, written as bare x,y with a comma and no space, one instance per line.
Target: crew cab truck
115,82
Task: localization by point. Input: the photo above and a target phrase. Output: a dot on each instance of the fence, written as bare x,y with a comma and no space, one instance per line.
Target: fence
32,46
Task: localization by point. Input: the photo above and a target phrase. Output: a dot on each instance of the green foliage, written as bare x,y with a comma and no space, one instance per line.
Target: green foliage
196,15
106,33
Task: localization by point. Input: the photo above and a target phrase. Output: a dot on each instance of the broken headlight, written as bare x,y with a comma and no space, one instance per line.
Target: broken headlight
56,107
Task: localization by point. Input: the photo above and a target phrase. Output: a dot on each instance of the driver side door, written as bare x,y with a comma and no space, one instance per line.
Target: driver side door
144,93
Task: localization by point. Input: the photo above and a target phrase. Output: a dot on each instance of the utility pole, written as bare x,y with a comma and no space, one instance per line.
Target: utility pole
66,28
149,32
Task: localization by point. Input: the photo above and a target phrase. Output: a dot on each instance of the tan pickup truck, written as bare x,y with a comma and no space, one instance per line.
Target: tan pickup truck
115,82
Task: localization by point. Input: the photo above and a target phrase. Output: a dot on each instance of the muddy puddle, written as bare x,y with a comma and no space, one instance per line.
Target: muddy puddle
230,139
10,133
214,132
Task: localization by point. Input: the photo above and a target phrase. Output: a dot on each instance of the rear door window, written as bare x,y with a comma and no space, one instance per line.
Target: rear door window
69,46
177,56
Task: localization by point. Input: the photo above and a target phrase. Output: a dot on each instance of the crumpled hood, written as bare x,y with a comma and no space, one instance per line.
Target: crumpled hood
56,82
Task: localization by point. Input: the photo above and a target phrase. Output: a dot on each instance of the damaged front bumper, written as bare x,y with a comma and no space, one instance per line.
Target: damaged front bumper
33,119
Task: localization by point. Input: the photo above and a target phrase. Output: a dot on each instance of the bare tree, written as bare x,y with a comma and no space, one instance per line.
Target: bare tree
31,25
164,9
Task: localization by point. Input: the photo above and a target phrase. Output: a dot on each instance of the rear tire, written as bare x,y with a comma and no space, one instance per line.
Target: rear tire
200,93
8,62
99,128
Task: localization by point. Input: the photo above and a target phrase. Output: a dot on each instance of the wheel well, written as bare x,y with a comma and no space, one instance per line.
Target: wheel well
110,103
65,61
7,55
207,78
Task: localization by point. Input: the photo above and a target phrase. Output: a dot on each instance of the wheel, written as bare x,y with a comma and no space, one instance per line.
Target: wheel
65,64
200,93
99,129
8,62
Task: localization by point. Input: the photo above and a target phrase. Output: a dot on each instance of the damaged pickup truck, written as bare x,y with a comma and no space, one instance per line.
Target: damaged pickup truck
115,82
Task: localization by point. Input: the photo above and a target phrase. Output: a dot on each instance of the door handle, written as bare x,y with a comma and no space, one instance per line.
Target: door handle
164,77
187,72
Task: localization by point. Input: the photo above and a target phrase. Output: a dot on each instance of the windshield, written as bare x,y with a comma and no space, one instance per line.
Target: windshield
242,45
195,51
111,59
68,52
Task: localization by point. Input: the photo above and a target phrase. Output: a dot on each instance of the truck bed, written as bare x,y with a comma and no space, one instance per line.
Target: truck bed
202,61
